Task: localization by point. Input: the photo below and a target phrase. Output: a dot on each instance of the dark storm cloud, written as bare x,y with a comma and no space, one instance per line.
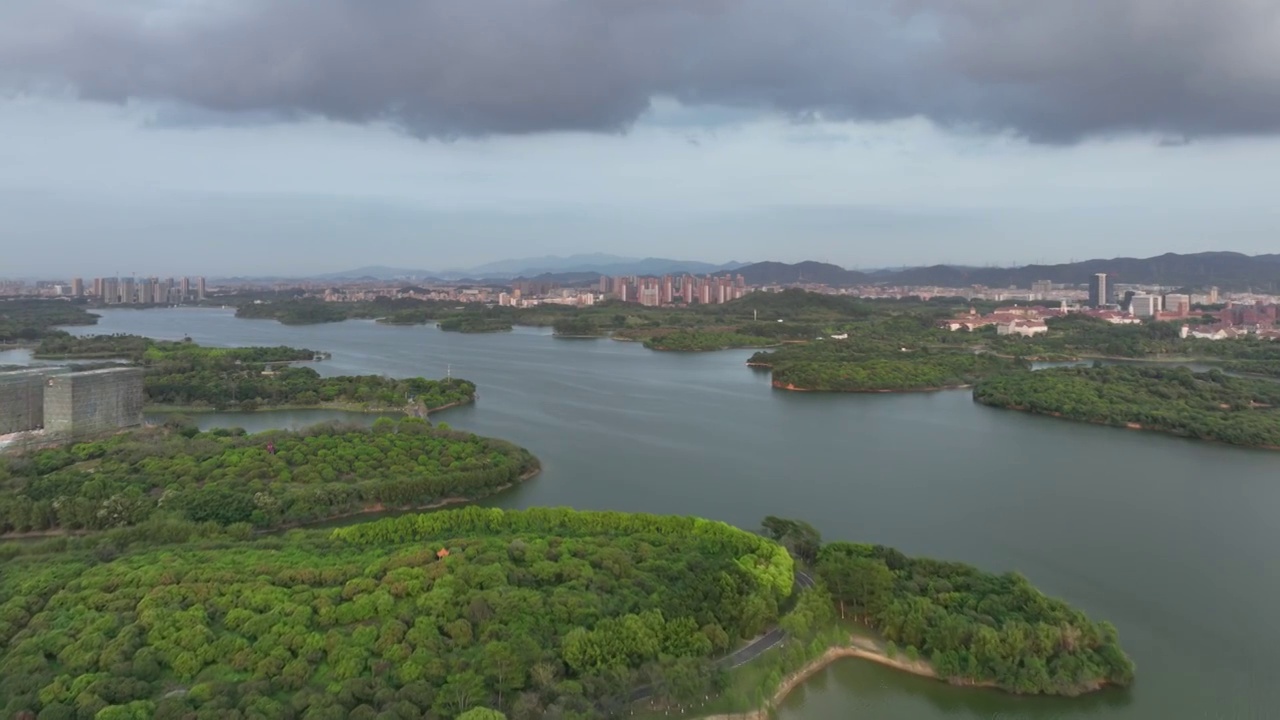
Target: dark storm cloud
1052,70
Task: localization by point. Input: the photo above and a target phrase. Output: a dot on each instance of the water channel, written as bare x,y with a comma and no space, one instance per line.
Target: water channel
1172,540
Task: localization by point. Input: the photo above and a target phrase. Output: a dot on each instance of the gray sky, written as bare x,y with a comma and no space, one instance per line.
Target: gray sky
230,136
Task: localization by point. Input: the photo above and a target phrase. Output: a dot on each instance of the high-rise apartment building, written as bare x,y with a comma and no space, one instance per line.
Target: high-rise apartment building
200,288
77,287
1099,292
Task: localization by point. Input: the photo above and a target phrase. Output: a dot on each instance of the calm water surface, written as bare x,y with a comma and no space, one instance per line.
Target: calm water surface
1172,540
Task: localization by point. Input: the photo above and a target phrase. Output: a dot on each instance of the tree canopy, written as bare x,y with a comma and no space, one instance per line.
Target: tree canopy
529,614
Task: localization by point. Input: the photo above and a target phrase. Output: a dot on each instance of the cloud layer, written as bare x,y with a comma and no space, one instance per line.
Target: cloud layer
1051,71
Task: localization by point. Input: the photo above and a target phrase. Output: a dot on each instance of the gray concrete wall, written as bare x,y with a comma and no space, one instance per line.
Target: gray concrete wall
93,402
22,398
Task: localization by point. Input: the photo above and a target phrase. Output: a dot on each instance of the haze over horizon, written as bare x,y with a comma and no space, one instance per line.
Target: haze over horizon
242,138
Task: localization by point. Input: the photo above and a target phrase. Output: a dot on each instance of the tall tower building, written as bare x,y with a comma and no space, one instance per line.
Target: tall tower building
1099,295
186,288
77,287
200,288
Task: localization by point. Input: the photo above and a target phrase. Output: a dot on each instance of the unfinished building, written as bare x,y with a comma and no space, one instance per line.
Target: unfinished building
93,402
22,398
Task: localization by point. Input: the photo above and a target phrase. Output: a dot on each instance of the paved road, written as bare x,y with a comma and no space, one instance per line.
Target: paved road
767,641
755,649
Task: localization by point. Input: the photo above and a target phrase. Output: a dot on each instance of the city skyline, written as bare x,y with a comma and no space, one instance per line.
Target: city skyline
423,134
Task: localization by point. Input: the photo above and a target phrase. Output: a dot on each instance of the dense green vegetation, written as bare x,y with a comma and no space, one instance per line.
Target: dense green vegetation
1211,406
545,613
270,479
187,375
466,324
31,320
974,627
922,370
699,340
577,327
895,353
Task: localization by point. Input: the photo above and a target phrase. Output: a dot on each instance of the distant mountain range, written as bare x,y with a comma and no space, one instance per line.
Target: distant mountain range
1226,270
549,265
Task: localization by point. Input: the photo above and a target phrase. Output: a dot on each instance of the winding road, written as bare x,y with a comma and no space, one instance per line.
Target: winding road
765,642
752,650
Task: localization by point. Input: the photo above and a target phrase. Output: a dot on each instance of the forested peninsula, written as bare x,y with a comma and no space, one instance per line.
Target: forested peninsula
28,321
269,480
1207,406
891,358
536,613
189,377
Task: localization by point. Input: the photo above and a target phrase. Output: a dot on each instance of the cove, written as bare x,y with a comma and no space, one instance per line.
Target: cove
1169,539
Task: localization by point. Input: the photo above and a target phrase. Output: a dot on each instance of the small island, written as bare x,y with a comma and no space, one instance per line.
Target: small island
269,480
1175,400
187,377
469,324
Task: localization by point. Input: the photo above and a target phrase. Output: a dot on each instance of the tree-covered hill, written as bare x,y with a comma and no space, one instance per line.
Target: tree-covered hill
540,613
268,480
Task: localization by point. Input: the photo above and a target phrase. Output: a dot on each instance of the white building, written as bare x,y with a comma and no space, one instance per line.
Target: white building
1025,328
1144,305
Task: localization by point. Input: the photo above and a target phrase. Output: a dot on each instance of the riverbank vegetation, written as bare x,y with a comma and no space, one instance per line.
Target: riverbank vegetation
538,613
1209,406
27,321
267,480
973,627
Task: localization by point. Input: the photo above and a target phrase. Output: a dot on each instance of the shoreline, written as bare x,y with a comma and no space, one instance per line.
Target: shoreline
1127,426
863,649
719,349
161,409
789,387
367,510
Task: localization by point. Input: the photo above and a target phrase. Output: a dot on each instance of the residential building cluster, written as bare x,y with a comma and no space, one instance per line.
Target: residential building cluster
141,291
669,290
115,290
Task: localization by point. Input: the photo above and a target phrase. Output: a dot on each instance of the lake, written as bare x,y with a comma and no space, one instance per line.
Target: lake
1172,540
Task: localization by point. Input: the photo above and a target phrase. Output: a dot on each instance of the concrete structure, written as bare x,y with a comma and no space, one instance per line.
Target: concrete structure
93,402
22,399
1025,328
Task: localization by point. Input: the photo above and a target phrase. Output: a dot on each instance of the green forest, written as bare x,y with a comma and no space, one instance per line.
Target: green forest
1209,406
266,480
25,321
187,375
544,613
972,626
